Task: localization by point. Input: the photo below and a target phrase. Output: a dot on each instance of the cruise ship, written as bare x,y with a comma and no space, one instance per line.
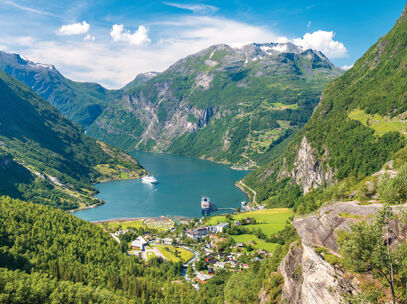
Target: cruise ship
207,206
149,179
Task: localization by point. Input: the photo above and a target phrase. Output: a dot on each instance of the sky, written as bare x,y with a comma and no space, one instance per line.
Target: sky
111,41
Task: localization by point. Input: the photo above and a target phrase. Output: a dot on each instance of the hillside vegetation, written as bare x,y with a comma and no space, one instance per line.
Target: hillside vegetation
45,158
225,104
357,127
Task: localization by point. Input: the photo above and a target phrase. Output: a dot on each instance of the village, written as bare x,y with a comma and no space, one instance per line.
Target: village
228,242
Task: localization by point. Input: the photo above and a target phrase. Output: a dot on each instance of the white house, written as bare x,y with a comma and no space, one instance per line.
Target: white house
138,244
197,233
218,228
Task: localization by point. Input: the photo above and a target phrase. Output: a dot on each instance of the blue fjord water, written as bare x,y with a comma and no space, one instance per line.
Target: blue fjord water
182,180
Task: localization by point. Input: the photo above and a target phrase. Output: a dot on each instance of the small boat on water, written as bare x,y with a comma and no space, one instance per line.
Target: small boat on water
149,179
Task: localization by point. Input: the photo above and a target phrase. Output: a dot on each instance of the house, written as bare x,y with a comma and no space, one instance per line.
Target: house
202,278
211,271
248,220
219,264
168,241
240,245
138,244
237,223
218,228
211,261
197,233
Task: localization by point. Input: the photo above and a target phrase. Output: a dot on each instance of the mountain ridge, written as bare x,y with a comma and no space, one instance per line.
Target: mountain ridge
202,104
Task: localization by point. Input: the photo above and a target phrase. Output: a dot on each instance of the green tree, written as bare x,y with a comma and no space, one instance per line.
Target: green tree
366,248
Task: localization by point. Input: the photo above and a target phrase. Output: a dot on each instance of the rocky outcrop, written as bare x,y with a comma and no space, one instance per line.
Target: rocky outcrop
308,171
321,282
309,279
291,270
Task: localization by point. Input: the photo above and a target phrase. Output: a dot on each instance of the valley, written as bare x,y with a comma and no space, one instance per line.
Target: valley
301,166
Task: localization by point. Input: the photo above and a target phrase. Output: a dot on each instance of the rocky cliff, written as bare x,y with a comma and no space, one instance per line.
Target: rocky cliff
308,171
308,277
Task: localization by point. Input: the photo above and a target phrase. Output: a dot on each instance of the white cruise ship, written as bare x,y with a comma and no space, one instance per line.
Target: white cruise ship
149,180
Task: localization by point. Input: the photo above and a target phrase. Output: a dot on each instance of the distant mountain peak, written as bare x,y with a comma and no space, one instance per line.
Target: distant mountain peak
23,61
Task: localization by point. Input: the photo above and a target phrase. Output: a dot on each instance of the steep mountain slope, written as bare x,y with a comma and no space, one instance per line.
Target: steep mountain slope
46,158
81,102
227,104
358,125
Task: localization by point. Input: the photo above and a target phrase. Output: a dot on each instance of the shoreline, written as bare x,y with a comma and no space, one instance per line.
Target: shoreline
143,218
124,219
102,202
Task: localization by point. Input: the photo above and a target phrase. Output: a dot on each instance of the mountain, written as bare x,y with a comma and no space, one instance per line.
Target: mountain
45,158
227,104
358,126
81,102
139,80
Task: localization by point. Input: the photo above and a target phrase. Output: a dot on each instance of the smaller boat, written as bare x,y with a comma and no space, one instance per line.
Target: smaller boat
149,179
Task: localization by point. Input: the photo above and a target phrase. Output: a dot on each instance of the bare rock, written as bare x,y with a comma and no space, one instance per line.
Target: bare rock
308,170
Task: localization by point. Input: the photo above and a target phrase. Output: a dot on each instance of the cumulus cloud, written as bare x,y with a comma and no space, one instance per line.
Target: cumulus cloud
115,64
139,37
89,37
196,8
73,29
322,41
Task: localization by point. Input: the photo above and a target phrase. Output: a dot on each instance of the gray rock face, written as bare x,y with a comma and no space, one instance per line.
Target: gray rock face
321,282
308,170
313,281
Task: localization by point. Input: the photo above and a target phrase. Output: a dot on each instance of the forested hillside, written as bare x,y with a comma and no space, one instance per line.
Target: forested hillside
226,104
357,127
47,159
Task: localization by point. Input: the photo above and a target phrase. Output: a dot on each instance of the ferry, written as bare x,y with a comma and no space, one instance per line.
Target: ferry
149,179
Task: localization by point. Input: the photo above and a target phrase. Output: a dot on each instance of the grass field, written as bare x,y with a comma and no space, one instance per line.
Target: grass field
169,253
381,125
127,225
159,224
259,244
269,221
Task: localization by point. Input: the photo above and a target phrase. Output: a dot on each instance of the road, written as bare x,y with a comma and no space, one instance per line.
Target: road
251,190
191,261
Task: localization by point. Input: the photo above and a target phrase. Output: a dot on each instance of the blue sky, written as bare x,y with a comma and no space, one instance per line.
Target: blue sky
110,42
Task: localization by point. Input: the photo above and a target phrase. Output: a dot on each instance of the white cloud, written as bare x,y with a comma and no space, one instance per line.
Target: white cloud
24,41
115,64
89,37
347,67
74,29
309,24
322,41
139,37
28,9
196,8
